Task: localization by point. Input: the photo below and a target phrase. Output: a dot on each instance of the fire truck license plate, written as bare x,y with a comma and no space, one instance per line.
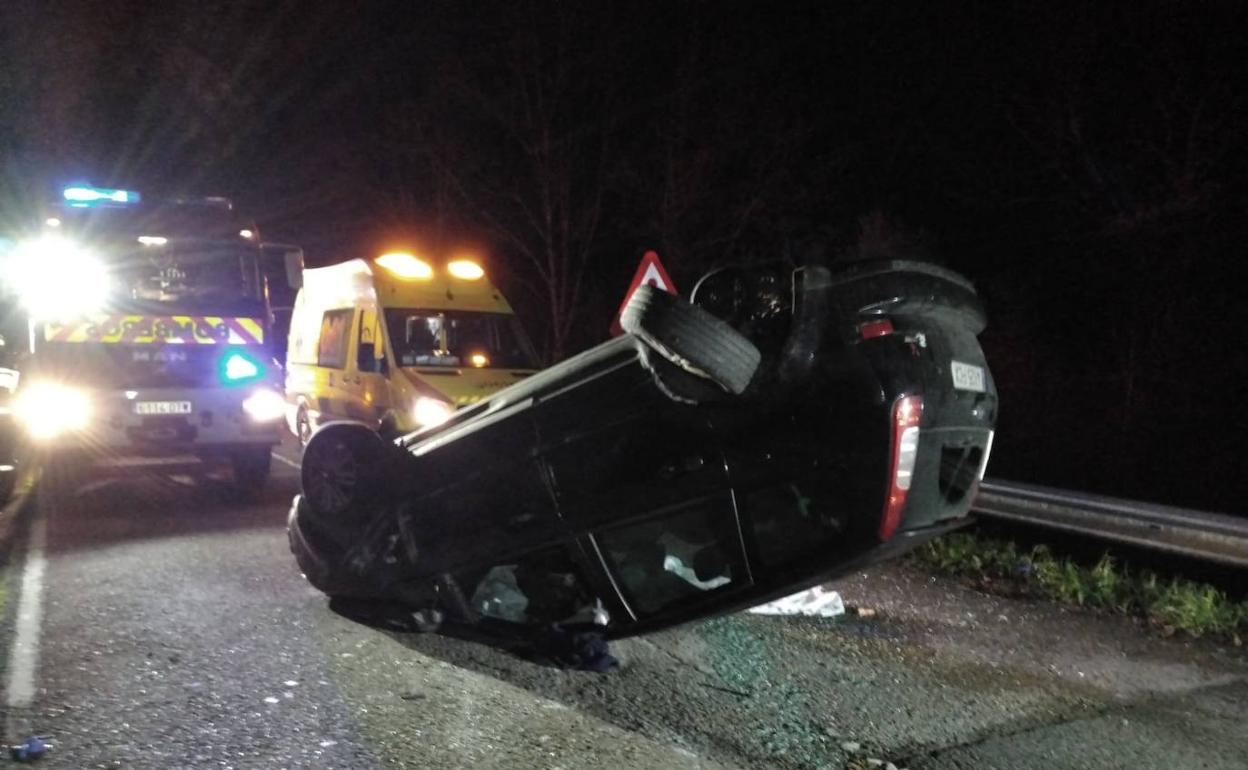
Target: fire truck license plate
162,407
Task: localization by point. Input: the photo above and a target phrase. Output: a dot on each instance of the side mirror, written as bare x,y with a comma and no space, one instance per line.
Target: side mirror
721,293
294,269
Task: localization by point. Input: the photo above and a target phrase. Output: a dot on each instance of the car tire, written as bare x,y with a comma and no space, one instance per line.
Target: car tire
342,476
691,338
8,484
252,466
321,559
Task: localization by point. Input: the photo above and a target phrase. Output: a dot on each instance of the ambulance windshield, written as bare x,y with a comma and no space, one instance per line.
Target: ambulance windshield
458,338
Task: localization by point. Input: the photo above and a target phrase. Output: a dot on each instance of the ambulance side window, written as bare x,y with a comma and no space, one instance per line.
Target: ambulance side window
331,349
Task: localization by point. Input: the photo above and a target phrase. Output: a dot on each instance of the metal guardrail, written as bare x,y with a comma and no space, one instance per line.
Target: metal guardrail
1214,537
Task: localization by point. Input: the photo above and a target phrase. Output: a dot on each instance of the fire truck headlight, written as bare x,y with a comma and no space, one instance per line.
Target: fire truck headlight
48,409
57,278
265,406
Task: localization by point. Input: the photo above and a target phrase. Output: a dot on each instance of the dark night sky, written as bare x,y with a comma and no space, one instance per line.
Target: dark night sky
1083,163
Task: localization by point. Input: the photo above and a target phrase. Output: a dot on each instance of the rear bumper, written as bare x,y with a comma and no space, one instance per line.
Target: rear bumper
950,462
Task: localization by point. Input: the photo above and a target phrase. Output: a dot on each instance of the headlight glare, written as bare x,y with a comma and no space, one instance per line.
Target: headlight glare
56,278
48,409
265,406
431,411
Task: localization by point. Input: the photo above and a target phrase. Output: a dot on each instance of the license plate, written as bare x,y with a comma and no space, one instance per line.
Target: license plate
968,377
162,407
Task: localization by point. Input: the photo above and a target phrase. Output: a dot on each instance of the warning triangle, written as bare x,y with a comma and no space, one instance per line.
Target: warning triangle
650,272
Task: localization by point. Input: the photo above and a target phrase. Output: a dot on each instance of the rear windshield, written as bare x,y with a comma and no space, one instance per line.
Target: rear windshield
458,338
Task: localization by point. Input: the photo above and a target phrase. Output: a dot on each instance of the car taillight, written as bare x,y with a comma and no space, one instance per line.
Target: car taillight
873,329
907,411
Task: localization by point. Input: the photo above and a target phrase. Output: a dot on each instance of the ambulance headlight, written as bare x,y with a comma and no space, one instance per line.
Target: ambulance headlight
265,405
48,409
55,277
431,411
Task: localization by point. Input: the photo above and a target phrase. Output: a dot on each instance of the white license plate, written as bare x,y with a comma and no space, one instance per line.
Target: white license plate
162,407
968,377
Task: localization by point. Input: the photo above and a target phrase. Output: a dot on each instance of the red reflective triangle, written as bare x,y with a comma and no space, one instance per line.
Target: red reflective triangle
650,271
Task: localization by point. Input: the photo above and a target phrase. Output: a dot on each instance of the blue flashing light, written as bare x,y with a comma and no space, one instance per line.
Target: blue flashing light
238,368
91,196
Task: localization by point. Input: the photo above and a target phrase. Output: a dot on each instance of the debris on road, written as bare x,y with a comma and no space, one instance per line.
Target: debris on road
579,649
30,749
816,602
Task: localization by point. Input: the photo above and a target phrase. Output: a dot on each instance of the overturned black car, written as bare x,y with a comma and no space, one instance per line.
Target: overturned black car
785,426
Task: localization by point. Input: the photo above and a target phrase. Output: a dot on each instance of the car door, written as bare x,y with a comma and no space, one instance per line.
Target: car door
644,478
480,493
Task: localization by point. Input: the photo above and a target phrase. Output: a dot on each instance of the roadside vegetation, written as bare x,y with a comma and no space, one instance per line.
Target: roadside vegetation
1171,604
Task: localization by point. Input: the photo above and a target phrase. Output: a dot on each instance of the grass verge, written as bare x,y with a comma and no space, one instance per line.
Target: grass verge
1174,604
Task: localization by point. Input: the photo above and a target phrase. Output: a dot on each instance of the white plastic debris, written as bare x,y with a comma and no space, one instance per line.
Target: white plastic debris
499,596
813,602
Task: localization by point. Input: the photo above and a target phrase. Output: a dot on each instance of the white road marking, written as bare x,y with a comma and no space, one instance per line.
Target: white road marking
24,656
286,461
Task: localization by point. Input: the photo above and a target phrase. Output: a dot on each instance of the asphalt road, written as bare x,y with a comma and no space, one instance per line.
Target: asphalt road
175,632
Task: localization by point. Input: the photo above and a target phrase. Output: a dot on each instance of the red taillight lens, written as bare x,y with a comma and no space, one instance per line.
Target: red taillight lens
872,329
907,412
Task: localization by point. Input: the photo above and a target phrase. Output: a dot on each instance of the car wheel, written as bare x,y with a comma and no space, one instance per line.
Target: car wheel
341,473
252,466
303,426
691,338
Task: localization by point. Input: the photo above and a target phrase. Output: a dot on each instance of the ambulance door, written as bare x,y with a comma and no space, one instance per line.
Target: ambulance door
370,384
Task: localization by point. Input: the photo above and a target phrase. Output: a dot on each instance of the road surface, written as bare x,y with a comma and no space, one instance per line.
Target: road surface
156,623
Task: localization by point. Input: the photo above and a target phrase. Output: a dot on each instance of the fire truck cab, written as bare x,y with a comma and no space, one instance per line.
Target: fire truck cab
149,333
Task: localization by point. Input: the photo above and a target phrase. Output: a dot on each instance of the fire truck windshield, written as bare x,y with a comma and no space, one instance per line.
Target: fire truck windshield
175,258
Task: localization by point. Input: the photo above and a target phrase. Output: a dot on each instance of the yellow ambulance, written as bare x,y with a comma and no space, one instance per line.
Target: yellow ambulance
398,343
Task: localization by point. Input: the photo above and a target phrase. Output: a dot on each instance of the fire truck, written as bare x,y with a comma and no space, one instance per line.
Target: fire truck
149,334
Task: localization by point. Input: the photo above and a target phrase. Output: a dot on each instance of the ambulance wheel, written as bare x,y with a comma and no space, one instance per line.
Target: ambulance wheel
691,338
303,426
251,468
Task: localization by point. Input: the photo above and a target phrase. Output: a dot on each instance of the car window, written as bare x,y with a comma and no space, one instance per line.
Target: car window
541,587
331,349
791,522
675,560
